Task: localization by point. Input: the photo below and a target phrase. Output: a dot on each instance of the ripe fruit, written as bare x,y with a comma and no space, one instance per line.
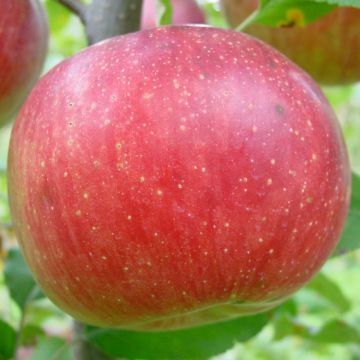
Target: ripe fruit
23,45
184,12
174,177
328,49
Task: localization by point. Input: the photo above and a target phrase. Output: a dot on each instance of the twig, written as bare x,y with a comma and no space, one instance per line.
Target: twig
83,350
6,226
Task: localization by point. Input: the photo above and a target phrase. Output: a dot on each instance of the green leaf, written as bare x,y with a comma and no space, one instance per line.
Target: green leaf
59,15
330,291
41,311
67,33
283,321
164,12
353,3
263,3
333,332
289,308
30,333
7,341
200,342
288,13
213,15
285,325
337,332
350,239
19,280
4,205
52,348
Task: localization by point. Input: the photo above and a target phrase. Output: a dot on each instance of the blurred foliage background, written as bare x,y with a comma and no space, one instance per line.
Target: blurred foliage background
322,321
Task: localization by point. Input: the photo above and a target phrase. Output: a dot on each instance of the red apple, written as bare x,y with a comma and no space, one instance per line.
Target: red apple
184,12
23,45
174,177
328,49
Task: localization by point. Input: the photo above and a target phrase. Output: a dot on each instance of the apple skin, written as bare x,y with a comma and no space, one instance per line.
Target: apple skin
174,177
328,49
184,12
23,46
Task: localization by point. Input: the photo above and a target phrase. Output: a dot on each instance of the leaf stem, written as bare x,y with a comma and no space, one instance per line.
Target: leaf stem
248,21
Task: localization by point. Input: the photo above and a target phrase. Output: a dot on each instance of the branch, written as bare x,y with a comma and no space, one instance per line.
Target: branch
108,18
82,350
75,6
19,333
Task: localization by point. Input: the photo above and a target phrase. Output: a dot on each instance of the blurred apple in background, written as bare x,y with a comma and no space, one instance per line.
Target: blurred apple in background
23,45
184,12
328,49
